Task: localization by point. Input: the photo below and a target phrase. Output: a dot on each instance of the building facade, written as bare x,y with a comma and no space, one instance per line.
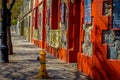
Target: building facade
98,55
85,32
25,20
38,22
54,27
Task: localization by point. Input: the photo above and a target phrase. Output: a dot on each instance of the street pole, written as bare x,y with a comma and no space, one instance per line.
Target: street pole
4,47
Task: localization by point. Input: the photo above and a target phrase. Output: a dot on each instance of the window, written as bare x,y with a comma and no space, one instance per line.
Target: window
87,11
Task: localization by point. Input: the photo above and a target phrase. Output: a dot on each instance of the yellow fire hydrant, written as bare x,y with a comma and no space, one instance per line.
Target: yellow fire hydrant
42,72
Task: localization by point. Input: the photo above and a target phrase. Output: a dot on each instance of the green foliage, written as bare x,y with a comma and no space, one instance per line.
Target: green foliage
0,3
13,21
15,10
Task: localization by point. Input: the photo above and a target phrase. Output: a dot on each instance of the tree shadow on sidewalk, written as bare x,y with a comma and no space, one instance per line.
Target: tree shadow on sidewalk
19,70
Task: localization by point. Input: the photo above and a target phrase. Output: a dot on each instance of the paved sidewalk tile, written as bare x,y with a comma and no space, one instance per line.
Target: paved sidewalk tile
23,64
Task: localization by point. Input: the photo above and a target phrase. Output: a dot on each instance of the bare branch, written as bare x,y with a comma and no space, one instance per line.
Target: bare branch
11,6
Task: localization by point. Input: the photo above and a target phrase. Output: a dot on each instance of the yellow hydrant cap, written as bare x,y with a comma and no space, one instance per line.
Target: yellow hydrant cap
42,52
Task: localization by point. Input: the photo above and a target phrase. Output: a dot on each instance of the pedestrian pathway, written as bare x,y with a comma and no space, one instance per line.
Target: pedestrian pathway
23,64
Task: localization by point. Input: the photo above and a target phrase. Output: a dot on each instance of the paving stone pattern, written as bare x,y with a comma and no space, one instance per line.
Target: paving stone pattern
23,64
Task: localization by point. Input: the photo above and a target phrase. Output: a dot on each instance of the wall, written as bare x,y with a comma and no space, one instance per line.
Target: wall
64,21
38,23
98,58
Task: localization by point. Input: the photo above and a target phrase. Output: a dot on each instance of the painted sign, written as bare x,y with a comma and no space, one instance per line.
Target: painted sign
48,19
112,38
54,38
40,9
116,13
35,34
63,12
63,24
87,11
87,45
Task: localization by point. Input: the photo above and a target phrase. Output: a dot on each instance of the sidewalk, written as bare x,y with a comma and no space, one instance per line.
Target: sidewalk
23,64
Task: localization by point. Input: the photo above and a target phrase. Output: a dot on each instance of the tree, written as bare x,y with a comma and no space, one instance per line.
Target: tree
15,10
12,13
9,42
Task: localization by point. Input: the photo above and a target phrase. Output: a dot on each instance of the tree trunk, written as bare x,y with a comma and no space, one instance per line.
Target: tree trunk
9,41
